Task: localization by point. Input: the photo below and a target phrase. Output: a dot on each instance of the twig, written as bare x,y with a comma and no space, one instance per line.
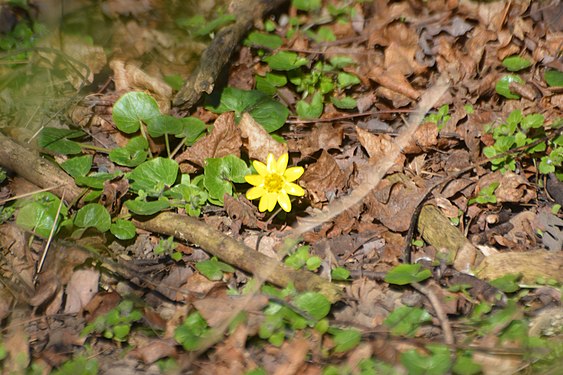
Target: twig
51,234
440,314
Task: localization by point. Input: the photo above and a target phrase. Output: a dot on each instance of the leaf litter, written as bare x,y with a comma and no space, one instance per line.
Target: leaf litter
366,178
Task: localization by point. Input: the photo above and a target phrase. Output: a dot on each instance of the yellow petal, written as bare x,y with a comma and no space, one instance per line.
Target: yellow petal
283,200
255,192
293,173
293,189
260,168
268,200
254,179
271,162
282,163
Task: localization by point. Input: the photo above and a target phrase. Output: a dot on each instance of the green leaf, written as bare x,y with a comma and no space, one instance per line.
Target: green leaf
218,174
213,269
270,82
164,124
93,215
123,229
142,207
312,110
299,258
77,365
345,339
507,283
437,363
405,320
58,140
346,80
39,214
532,121
503,86
96,180
191,332
191,129
266,111
314,263
133,154
215,24
344,103
78,166
554,78
339,62
259,39
154,175
306,5
315,304
464,365
515,63
407,273
132,109
340,274
285,60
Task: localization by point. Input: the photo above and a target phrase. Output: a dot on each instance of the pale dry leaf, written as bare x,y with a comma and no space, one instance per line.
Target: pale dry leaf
80,290
223,140
257,140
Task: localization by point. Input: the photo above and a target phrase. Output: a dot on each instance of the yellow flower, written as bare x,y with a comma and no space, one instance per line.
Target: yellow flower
273,183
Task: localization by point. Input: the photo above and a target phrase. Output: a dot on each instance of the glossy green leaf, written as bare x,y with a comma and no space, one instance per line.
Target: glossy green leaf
78,166
507,283
154,175
260,39
437,363
59,140
306,5
312,110
345,339
191,332
132,109
405,320
315,304
344,103
554,78
93,215
38,214
142,207
407,273
503,86
285,60
346,80
123,229
516,63
220,172
191,129
464,365
164,124
96,180
133,154
339,274
213,269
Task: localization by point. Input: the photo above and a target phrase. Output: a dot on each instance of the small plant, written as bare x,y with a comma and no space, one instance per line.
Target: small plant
116,324
168,246
486,195
439,118
519,131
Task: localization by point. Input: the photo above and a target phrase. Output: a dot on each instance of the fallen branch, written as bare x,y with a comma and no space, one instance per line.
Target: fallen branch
241,256
219,52
29,165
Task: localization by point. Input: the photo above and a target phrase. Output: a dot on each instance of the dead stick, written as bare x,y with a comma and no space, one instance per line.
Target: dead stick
241,256
29,165
440,314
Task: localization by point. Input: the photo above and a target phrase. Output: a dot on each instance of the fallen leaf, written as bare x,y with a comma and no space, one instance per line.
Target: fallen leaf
323,178
257,140
80,290
223,140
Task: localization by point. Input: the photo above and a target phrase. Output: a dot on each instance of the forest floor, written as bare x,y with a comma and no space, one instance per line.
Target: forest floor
416,148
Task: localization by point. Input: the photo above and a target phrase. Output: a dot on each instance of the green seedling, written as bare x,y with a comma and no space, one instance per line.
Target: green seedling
301,258
486,195
404,274
168,247
116,324
193,332
439,118
405,320
213,269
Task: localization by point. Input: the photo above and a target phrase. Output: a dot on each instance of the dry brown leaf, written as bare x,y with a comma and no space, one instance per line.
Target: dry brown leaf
129,77
258,142
155,350
393,81
217,311
323,179
223,140
322,137
378,146
80,290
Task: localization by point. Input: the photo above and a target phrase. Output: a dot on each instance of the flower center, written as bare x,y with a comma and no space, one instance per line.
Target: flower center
273,183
